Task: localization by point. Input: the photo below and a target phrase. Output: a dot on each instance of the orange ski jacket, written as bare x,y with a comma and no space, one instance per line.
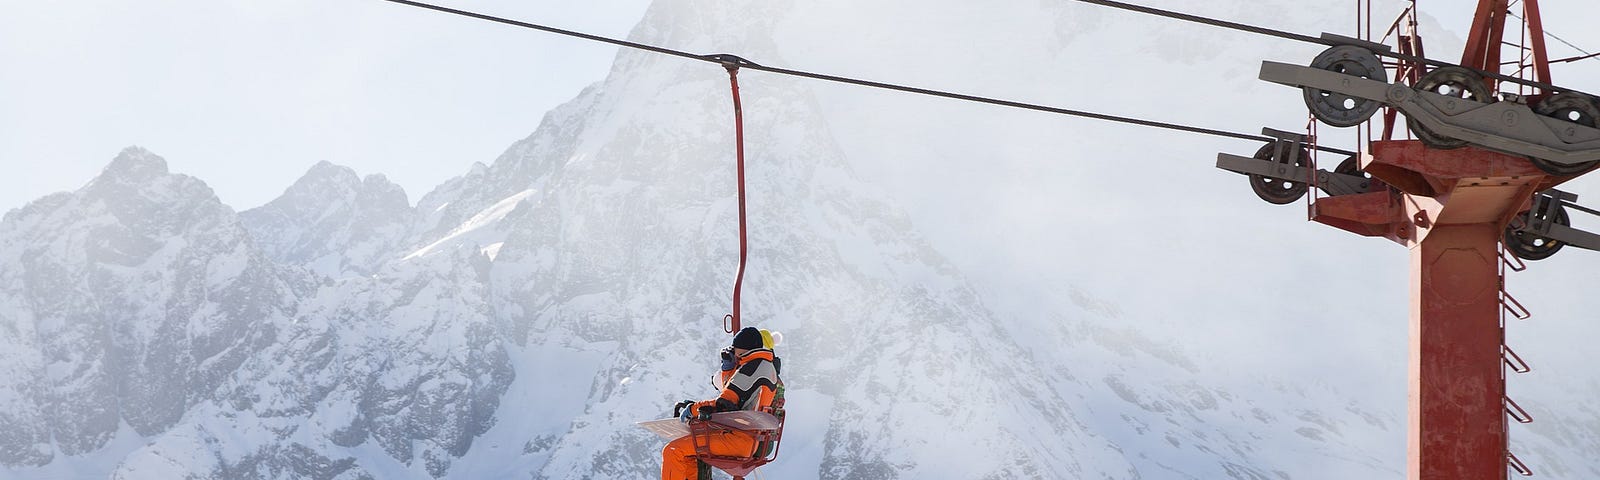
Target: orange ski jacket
750,386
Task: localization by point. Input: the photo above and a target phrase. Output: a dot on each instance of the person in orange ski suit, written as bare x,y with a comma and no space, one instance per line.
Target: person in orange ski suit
749,381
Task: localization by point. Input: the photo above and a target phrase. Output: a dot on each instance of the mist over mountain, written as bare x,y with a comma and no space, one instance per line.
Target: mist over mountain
966,292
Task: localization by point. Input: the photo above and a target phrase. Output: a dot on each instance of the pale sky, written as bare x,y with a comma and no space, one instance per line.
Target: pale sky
248,94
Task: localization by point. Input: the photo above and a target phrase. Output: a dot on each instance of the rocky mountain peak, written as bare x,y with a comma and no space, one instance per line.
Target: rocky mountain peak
134,164
142,195
326,172
102,278
332,221
376,189
324,182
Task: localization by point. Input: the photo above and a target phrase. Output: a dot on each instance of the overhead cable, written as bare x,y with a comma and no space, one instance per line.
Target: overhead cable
1563,41
1310,39
735,61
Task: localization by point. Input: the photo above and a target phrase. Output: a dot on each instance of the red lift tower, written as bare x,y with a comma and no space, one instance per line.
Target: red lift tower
1489,147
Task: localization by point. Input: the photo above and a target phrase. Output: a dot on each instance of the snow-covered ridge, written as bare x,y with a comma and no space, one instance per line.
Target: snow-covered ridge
483,219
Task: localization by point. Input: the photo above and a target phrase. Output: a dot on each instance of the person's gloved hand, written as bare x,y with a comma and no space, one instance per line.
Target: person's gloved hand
688,412
728,362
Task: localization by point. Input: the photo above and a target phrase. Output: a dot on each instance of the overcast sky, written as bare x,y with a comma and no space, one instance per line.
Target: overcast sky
247,94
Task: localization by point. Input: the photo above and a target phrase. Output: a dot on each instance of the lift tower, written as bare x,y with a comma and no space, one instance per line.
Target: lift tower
1489,148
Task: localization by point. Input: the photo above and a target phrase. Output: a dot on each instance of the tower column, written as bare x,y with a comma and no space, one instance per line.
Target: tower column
1456,429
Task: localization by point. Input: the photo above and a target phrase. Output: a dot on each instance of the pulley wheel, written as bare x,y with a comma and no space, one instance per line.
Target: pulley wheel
1351,166
1279,191
1531,246
1455,82
1338,109
1572,107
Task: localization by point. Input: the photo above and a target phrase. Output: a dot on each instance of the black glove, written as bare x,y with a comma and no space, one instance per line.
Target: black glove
678,410
728,362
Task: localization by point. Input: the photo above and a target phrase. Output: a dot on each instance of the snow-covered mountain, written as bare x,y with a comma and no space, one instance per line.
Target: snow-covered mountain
333,222
130,302
520,318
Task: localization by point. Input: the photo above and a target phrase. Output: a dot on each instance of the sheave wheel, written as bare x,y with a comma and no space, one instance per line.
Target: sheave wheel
1529,246
1337,109
1351,166
1278,191
1455,82
1572,107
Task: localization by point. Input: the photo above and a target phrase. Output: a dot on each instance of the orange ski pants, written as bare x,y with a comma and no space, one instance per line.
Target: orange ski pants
678,460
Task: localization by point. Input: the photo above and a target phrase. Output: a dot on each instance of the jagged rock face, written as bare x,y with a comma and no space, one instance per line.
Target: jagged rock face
403,362
140,300
332,221
135,297
400,367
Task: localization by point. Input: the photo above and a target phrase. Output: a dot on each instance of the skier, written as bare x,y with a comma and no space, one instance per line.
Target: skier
749,381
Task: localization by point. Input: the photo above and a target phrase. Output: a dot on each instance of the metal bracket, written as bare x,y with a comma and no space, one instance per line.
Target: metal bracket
1508,127
1343,40
1334,184
1570,236
1287,136
1265,168
1548,203
1543,224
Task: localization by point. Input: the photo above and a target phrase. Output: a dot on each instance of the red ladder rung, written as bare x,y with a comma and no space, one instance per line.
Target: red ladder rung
1514,361
1513,307
1512,262
1516,464
1516,411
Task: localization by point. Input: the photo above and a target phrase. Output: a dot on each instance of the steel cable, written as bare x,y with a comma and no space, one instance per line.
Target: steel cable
1547,33
728,60
1316,40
